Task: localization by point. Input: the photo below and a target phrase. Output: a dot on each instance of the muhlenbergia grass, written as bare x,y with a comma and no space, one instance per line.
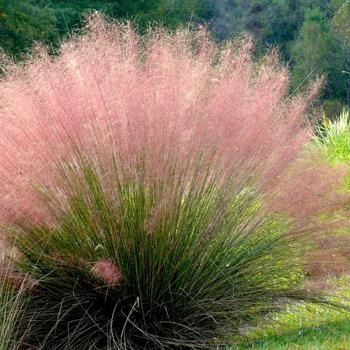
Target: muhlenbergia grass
153,189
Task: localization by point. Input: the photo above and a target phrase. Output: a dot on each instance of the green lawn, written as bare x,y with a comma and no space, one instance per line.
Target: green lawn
311,328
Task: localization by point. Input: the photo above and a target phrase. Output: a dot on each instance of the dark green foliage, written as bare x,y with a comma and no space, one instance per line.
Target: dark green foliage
313,37
318,51
23,22
314,51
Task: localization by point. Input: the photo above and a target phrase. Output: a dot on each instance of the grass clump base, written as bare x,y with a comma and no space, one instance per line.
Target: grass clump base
110,278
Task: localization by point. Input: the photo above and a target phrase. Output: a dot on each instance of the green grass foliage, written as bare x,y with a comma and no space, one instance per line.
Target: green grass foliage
203,268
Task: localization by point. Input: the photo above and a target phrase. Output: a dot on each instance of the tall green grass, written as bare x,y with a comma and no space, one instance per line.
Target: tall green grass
12,303
189,276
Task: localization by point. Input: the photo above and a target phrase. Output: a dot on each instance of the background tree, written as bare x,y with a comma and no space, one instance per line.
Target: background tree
341,29
314,51
22,22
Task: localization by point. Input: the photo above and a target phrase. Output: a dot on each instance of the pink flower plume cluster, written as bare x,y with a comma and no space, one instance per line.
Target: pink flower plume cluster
166,101
108,272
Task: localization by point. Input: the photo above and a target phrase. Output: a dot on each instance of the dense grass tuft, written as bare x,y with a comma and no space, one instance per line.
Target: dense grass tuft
334,138
153,190
187,277
333,141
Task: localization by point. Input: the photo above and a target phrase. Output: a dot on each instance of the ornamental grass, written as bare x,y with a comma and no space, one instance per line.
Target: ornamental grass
155,190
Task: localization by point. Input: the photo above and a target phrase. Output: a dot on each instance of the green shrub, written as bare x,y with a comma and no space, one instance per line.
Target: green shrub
333,139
